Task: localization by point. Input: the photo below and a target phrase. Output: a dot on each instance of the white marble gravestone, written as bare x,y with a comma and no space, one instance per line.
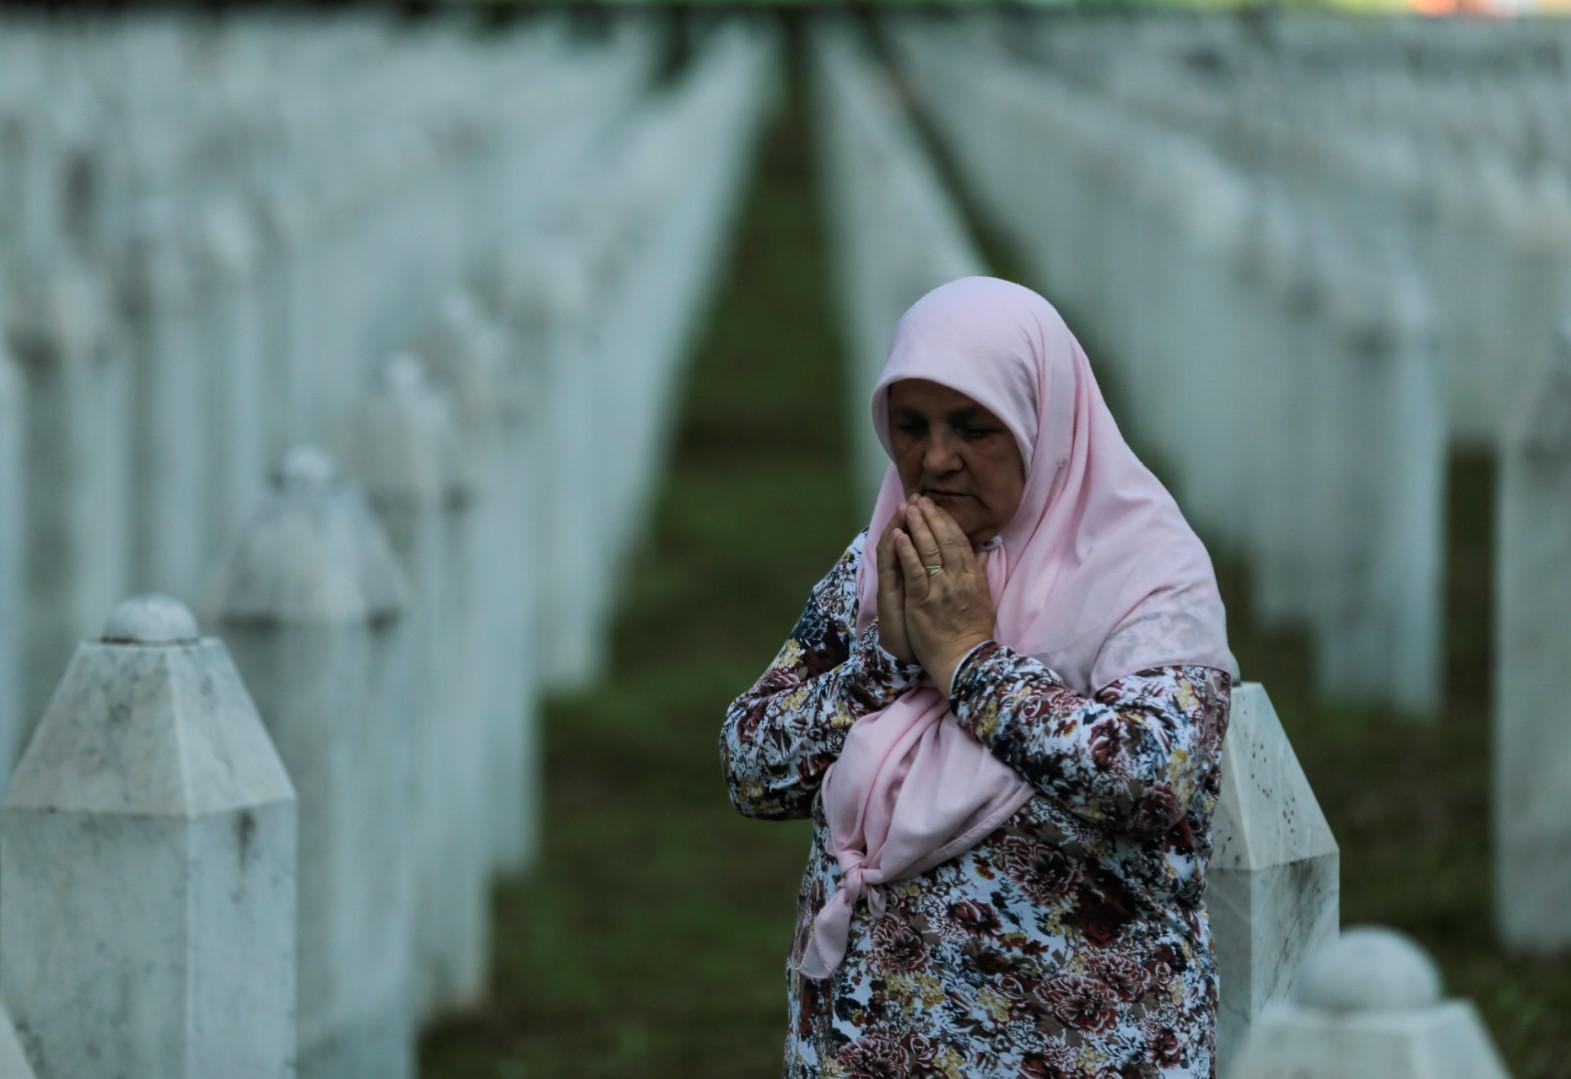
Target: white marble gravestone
147,858
551,296
169,458
56,330
309,601
1536,295
403,447
470,353
1378,522
1368,1004
1303,269
234,371
1532,744
11,532
281,233
1273,887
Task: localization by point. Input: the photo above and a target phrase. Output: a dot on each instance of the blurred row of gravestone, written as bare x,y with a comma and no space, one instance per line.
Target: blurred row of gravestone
1293,287
1270,351
193,306
468,270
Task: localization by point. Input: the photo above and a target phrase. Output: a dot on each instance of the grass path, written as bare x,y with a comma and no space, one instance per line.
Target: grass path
651,939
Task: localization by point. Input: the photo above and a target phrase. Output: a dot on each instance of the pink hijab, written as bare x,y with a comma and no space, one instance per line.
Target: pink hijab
1098,576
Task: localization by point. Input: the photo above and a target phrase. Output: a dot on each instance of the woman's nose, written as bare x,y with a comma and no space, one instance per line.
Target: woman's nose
940,457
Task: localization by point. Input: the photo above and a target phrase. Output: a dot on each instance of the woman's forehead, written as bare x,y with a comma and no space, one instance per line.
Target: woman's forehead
933,398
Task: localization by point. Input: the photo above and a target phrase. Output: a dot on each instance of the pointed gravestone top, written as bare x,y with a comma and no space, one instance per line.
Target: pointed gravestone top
1267,814
405,375
51,310
1369,968
158,274
1542,218
1267,242
150,721
1216,205
229,242
1309,274
404,444
312,551
150,619
1379,302
306,470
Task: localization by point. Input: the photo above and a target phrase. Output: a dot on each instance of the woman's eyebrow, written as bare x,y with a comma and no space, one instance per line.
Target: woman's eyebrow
972,415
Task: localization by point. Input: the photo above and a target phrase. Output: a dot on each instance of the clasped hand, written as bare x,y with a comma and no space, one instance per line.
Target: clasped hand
932,619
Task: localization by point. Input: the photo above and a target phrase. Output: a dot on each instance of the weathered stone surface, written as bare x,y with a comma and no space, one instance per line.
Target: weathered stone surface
309,601
147,857
1273,888
1368,1004
1532,749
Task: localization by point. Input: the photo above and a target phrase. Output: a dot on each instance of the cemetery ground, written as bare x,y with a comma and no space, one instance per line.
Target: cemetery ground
650,938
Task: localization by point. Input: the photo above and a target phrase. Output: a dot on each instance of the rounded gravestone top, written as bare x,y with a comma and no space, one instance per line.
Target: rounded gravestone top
307,470
459,308
152,618
1369,968
405,374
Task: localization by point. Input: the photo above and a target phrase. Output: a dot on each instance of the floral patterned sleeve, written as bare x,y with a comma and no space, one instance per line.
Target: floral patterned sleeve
1131,758
782,734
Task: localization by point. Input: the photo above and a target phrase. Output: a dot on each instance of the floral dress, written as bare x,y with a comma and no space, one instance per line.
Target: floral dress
1072,941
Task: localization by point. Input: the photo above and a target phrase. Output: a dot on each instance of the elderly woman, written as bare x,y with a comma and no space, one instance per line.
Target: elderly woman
1004,717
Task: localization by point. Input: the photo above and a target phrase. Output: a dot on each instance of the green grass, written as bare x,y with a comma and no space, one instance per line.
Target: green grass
651,938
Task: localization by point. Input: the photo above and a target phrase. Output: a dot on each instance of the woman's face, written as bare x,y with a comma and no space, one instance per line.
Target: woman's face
957,453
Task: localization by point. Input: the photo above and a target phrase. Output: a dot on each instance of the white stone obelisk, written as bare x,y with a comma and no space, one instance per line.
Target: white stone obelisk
1368,1004
469,352
404,449
147,857
234,370
1379,521
1273,890
169,458
554,300
1532,743
310,601
56,331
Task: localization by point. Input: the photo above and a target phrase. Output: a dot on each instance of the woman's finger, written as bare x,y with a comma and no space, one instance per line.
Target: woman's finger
911,566
922,536
888,560
953,545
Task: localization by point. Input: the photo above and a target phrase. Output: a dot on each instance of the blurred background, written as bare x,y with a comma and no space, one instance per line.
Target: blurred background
493,383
